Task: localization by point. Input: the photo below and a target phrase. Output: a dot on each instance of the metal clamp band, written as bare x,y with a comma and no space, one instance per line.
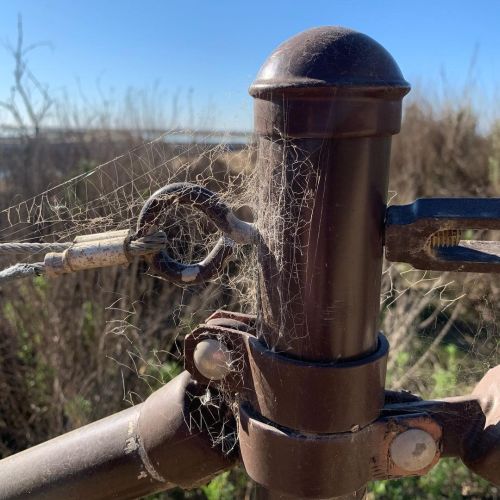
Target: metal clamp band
329,388
284,389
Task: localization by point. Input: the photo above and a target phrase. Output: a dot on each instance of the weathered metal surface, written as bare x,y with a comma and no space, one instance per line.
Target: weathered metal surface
313,421
348,460
465,427
297,386
331,57
90,252
183,193
317,397
323,163
147,448
481,446
411,229
326,104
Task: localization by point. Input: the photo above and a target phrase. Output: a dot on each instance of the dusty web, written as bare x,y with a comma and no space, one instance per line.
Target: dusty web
441,326
110,195
137,321
286,201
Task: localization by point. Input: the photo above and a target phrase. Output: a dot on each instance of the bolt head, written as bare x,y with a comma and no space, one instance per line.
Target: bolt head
413,450
212,359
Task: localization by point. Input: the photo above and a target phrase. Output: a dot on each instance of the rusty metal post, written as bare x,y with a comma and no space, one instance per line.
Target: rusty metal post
326,105
150,447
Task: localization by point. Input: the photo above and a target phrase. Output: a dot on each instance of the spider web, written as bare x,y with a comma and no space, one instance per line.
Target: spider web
441,326
124,325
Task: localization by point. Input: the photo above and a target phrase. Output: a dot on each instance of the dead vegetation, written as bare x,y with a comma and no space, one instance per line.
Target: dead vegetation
85,346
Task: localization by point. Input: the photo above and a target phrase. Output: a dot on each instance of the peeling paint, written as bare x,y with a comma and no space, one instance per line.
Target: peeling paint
147,463
131,427
131,445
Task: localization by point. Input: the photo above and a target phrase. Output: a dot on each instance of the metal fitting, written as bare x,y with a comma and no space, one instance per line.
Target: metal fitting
450,238
89,252
212,359
199,198
427,234
413,450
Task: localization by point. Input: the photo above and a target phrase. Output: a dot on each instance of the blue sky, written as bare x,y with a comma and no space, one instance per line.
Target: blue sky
215,48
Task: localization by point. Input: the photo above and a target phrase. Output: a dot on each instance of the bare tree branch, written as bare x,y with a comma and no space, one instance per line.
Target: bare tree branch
22,77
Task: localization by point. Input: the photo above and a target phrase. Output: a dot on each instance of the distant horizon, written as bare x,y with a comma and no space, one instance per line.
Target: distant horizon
189,65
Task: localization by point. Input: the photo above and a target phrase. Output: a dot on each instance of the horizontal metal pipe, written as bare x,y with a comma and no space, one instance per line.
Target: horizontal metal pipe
147,448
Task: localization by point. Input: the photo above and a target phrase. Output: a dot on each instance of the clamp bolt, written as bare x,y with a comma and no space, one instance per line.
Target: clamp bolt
212,359
413,450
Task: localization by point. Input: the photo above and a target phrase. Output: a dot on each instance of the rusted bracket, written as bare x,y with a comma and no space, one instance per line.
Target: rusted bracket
252,366
427,234
290,411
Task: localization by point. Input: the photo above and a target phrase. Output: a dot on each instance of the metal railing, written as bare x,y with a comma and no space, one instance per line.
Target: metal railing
304,379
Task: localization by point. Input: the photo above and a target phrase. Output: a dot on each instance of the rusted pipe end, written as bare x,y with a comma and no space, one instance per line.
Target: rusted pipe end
330,57
164,442
329,82
180,422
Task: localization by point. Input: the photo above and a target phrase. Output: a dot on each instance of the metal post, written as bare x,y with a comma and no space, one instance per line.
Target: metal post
147,448
307,374
327,102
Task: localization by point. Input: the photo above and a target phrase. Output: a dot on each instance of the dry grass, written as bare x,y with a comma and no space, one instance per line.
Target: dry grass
85,346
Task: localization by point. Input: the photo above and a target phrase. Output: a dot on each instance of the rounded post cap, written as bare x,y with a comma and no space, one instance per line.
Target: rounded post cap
330,57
